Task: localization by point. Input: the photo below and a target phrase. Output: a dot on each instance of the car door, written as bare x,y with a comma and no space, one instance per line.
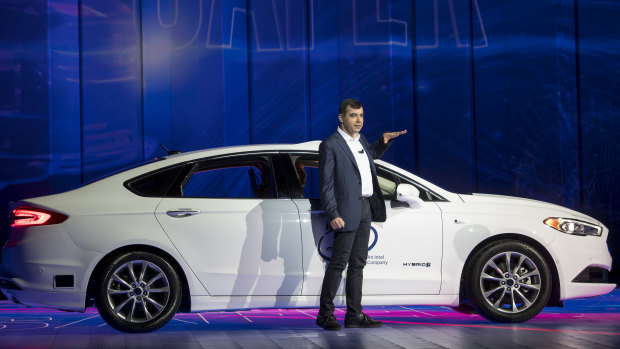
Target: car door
234,231
404,252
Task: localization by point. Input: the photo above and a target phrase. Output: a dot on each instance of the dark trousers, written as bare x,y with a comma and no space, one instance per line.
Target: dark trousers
350,247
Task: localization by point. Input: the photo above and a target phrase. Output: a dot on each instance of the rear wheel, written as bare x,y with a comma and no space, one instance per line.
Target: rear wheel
508,281
138,292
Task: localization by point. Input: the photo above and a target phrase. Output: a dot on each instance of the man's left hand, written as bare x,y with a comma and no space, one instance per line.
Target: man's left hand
388,136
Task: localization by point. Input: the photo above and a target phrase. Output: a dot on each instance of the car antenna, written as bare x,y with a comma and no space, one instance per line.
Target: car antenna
170,152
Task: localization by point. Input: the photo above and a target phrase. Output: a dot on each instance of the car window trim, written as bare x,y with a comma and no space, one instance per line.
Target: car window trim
192,166
280,176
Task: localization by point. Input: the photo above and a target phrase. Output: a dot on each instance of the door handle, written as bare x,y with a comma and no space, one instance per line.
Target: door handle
183,212
460,221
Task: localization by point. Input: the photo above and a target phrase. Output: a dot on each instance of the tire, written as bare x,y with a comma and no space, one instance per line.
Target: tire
508,281
138,292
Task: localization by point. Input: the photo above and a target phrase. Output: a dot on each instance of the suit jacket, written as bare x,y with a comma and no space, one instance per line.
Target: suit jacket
341,182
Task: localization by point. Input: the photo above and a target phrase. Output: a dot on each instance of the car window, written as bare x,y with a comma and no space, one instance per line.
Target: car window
241,177
307,179
392,179
388,183
154,184
307,171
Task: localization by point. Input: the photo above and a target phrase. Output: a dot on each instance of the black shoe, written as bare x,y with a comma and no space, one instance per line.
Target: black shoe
328,322
361,321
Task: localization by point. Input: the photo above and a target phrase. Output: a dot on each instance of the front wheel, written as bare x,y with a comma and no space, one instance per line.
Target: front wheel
509,281
138,292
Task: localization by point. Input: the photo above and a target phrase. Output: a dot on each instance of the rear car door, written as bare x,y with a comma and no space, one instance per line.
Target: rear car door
239,237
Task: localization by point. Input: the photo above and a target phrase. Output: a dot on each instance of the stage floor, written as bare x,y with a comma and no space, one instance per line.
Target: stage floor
582,323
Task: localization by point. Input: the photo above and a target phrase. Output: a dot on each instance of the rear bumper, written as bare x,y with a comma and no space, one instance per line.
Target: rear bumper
70,301
46,269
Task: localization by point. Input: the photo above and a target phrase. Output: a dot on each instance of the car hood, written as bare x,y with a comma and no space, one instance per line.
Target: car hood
553,209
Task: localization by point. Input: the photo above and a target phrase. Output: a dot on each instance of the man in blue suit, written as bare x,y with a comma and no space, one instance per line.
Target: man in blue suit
351,198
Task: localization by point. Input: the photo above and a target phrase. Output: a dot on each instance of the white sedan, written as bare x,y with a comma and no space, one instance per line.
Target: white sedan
242,227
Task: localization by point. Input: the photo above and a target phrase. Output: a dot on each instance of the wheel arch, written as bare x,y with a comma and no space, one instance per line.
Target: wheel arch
554,297
185,305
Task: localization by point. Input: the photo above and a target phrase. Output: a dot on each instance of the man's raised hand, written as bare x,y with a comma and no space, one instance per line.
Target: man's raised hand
388,136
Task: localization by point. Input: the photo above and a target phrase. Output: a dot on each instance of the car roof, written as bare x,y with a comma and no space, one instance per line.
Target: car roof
197,154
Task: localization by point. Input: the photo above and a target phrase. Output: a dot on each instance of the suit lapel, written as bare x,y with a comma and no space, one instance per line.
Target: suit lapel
345,148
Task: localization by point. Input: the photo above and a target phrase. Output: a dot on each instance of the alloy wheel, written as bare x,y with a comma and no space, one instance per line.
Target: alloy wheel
510,282
138,291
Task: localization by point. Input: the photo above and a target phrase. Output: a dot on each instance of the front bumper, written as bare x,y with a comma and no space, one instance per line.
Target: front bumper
576,255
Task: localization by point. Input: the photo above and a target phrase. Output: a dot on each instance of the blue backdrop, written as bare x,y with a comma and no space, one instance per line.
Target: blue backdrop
514,97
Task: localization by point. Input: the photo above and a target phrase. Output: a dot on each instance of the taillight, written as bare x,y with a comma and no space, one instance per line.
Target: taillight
29,216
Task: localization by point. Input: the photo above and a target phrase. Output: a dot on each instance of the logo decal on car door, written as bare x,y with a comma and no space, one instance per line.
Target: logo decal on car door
327,241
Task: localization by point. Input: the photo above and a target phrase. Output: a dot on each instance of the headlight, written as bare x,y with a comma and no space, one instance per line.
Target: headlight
573,226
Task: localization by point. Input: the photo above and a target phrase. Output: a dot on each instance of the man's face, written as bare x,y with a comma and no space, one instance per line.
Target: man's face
352,121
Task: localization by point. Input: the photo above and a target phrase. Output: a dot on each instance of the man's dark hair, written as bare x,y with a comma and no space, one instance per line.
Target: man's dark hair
349,102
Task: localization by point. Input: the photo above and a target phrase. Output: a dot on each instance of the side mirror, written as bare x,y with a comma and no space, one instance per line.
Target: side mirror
409,194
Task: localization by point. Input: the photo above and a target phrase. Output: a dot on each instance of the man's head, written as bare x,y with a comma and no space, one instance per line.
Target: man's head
351,116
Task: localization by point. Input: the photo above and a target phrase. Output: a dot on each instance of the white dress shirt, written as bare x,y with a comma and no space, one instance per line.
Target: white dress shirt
362,161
